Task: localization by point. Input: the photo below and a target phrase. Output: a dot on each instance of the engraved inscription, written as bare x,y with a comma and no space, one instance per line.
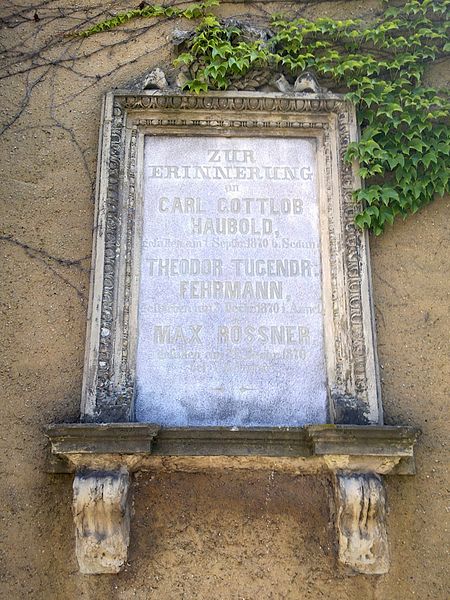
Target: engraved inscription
230,324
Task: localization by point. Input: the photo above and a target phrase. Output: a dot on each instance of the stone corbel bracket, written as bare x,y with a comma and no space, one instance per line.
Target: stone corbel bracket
103,455
102,519
360,522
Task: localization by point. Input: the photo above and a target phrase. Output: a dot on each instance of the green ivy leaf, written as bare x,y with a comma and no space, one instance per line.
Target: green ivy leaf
405,138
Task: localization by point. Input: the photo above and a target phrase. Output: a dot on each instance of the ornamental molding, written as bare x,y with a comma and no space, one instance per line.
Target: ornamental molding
231,101
128,116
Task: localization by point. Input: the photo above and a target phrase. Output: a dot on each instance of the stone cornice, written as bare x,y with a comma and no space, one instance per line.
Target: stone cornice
139,446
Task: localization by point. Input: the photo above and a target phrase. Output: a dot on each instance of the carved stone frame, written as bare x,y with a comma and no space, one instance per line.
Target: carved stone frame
354,447
127,117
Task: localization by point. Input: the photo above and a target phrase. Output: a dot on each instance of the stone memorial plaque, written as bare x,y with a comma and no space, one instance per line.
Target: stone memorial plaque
230,284
230,287
230,318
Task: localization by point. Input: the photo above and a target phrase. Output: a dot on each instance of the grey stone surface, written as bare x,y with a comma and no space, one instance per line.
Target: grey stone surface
230,326
102,520
361,522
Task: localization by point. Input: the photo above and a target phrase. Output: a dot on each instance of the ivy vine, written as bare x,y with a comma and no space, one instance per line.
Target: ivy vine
404,146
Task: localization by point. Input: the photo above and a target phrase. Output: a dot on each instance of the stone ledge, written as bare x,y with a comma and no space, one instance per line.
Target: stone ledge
313,448
100,438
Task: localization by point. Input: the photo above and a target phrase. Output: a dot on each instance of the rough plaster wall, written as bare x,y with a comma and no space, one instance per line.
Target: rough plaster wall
225,536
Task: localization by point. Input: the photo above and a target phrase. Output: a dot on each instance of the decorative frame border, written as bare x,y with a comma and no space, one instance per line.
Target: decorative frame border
127,116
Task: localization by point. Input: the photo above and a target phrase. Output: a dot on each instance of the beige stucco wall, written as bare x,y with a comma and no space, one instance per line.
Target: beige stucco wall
224,536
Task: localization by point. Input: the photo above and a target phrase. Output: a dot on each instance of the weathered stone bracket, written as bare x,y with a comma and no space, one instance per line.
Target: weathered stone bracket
360,522
103,455
102,520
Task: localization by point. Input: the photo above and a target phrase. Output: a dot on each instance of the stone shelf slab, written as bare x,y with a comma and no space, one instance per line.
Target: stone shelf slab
309,449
